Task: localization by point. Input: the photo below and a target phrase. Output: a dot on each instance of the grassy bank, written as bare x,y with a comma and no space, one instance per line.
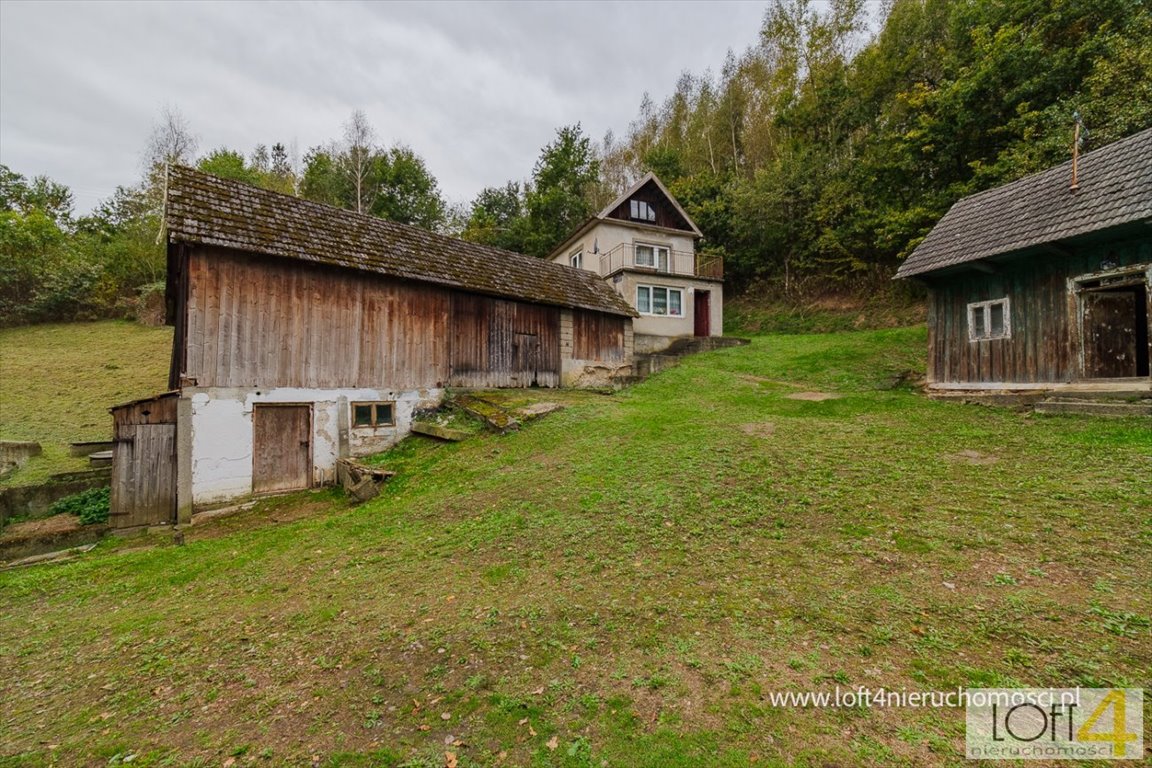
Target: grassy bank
58,381
753,313
623,582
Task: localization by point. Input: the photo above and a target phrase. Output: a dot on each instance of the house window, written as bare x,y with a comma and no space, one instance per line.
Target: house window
654,256
373,414
642,211
576,259
989,320
656,300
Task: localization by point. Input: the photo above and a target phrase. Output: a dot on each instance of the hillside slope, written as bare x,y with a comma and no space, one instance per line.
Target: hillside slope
623,582
58,381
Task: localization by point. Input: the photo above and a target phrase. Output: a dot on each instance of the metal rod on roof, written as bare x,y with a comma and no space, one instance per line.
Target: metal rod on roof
1077,140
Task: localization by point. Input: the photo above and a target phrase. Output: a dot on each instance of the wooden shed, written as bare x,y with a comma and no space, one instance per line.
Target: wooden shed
1042,284
306,333
144,462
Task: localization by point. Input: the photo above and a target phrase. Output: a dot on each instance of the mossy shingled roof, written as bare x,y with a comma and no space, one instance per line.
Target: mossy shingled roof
1115,189
206,210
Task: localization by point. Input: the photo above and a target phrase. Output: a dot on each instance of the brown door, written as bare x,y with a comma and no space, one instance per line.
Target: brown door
281,448
1110,349
144,477
701,313
526,358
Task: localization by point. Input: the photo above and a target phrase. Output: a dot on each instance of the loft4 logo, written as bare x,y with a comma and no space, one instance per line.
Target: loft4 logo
1118,734
1055,723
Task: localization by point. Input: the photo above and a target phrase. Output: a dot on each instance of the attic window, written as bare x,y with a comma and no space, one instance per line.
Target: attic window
373,414
642,211
989,320
576,259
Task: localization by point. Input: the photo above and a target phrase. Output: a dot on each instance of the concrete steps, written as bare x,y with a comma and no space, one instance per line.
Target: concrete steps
692,345
645,365
1095,405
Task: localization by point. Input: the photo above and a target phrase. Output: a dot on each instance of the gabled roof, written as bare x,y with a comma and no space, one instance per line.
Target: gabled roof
649,177
207,210
1115,189
606,214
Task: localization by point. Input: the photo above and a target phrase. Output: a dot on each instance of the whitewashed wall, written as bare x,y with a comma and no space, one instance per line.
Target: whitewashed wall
222,438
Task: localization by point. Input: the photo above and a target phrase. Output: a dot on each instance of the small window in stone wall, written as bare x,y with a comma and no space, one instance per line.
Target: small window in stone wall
373,414
989,320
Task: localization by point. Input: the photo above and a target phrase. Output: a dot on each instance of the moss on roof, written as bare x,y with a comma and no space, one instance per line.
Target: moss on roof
207,210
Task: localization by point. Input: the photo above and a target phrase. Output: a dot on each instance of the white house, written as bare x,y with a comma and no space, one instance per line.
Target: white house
644,245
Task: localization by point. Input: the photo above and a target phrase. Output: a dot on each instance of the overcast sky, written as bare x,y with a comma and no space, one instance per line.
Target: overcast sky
476,88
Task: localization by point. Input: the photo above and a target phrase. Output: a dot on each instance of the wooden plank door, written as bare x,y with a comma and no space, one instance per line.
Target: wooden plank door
144,477
526,359
281,448
701,313
1110,334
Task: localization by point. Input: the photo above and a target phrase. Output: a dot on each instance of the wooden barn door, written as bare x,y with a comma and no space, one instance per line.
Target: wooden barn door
281,448
526,358
144,476
1110,349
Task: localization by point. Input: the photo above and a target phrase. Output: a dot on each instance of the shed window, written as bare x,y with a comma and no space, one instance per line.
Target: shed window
373,414
656,300
576,259
642,211
989,320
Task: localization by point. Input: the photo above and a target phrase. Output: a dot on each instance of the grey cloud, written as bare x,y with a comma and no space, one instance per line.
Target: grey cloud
476,88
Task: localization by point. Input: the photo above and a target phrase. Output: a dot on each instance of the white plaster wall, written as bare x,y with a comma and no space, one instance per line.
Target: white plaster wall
662,325
607,235
222,438
589,261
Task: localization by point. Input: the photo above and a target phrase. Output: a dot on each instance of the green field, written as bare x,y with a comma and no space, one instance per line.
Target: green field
621,583
58,381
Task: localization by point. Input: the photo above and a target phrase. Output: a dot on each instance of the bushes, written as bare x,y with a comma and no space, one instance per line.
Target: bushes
91,506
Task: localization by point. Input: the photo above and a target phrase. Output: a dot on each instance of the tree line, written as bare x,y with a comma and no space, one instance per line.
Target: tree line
820,157
814,160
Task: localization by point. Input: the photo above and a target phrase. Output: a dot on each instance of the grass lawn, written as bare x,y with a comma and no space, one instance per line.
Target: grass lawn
57,383
621,583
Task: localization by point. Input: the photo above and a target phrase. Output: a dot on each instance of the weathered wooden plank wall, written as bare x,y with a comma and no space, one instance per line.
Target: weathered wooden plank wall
144,463
1043,346
666,215
498,343
253,321
259,322
596,336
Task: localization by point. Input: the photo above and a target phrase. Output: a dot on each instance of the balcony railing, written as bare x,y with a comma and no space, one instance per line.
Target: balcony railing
661,261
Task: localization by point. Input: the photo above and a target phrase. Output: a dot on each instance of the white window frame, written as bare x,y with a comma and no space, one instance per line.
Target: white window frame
634,210
984,310
651,292
576,259
656,251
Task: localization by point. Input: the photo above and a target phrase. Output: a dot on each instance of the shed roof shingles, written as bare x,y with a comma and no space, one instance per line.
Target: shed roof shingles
207,210
1115,189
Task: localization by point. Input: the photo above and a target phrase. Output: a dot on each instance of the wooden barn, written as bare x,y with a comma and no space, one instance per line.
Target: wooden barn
1045,284
305,334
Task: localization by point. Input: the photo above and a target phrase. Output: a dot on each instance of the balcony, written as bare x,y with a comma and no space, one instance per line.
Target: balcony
644,258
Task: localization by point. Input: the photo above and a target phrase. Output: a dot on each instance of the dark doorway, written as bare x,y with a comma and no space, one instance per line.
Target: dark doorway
702,313
281,448
1116,332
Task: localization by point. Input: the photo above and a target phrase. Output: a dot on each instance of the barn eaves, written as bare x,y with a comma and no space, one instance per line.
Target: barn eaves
207,210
